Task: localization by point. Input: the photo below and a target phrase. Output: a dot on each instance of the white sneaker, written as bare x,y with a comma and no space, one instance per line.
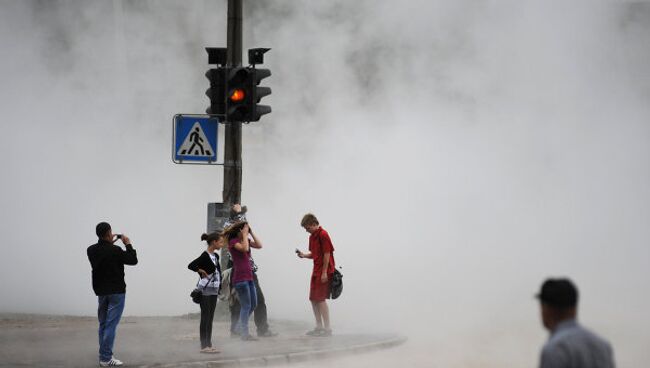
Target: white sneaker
111,363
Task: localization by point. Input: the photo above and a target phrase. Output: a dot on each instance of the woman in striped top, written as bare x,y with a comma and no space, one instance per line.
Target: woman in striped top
207,265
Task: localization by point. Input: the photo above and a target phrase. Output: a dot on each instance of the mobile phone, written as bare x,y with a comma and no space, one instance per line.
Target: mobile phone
119,236
297,251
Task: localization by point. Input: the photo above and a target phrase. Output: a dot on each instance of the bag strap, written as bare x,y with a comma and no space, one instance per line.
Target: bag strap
211,278
213,274
207,283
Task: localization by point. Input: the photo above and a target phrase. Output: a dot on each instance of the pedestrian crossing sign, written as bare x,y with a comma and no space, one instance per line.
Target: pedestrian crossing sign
195,139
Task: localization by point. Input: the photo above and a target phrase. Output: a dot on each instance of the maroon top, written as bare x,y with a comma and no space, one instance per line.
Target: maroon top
241,263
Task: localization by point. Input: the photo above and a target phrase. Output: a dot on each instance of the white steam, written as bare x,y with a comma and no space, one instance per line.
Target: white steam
457,152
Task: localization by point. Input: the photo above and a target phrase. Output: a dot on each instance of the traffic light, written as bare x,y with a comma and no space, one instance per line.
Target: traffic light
238,94
257,110
217,91
235,91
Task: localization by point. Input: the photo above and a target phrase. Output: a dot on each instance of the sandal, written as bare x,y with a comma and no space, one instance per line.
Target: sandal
315,332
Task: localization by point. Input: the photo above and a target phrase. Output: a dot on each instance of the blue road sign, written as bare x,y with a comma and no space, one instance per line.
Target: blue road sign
195,139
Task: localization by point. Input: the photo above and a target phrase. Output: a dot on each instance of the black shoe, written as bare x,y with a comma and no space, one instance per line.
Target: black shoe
267,333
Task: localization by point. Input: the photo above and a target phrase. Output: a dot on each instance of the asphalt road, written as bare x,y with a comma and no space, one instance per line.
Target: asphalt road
64,341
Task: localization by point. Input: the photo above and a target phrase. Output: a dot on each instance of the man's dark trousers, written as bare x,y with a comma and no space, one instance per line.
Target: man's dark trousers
259,314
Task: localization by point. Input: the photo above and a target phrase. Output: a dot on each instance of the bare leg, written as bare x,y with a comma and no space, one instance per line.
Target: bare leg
317,314
325,313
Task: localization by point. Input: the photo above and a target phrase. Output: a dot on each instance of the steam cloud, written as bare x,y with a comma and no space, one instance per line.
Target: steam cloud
458,153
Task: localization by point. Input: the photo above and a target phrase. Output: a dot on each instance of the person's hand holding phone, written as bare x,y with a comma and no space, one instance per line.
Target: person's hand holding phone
125,239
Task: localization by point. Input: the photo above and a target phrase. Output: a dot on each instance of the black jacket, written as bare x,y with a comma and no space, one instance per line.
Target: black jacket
205,263
107,261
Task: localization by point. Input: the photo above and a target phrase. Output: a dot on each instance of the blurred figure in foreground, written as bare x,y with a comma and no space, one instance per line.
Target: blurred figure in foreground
107,261
321,251
570,345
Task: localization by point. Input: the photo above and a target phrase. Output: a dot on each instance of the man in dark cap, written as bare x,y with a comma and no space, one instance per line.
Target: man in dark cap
107,261
570,344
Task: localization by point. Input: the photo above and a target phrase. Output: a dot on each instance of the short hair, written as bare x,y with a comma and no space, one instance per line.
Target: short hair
309,219
102,228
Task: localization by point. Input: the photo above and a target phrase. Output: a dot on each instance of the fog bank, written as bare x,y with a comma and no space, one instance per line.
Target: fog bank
457,152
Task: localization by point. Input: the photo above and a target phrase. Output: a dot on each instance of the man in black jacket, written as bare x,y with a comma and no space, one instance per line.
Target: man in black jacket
107,261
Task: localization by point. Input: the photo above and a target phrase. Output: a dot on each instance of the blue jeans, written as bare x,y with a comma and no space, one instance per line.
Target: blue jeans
109,312
248,300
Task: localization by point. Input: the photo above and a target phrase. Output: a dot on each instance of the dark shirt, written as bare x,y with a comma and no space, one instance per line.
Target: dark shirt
205,263
107,261
211,284
573,346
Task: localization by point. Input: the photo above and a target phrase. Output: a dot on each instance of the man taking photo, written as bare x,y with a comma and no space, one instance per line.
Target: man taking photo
107,261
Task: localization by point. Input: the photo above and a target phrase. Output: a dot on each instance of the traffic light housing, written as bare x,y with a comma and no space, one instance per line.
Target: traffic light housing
243,94
238,94
217,91
234,90
258,92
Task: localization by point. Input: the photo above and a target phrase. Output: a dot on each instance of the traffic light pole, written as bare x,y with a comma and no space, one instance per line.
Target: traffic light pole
232,169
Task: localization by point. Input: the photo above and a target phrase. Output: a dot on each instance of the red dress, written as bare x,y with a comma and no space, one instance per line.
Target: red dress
319,244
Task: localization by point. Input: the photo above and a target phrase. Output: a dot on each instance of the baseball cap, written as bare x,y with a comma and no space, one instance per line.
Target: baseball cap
559,292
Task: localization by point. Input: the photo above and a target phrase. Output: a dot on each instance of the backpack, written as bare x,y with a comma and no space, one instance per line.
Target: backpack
336,287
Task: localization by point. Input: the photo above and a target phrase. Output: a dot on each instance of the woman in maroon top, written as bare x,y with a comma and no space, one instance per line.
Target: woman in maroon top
240,241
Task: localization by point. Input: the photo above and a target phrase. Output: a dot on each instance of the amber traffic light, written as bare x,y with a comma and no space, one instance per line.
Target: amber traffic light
237,95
